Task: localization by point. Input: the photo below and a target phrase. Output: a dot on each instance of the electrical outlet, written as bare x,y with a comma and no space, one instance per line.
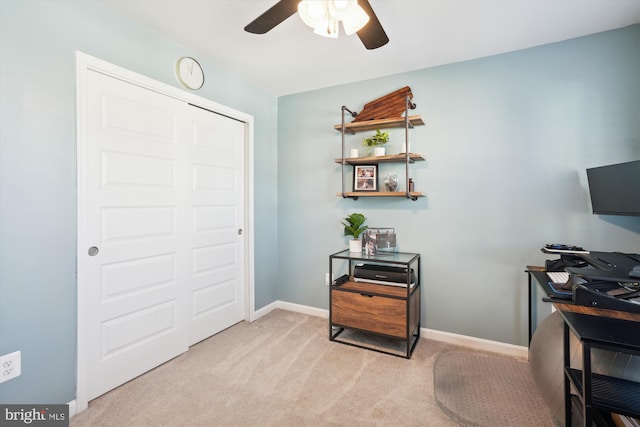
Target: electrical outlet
10,366
326,279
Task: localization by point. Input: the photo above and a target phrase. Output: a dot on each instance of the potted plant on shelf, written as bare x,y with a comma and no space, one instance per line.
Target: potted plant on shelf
376,142
354,227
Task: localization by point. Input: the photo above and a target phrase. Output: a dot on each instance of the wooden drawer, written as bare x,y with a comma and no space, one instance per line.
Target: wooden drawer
371,313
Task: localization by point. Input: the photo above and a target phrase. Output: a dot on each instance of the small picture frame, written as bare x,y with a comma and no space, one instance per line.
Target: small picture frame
365,178
370,243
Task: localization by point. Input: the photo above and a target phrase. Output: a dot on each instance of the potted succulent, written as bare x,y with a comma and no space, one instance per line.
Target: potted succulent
353,226
376,142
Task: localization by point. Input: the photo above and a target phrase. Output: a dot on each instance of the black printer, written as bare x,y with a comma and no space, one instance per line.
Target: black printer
384,275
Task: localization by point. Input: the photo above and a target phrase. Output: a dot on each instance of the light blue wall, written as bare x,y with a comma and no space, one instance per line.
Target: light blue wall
507,141
38,40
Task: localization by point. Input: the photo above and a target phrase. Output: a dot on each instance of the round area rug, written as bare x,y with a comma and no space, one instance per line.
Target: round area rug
481,390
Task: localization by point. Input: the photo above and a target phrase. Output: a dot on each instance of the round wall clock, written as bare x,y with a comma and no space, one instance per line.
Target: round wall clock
189,73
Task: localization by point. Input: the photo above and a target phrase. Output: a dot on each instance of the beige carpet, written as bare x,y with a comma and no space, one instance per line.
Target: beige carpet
281,370
480,390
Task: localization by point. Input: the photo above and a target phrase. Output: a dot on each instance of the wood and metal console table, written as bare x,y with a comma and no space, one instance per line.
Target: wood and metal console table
390,312
594,391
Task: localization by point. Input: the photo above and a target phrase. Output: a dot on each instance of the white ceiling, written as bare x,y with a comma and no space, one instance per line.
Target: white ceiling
423,33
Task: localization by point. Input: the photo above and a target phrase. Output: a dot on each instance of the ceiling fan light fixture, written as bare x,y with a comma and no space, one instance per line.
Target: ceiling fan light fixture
328,28
355,21
313,13
342,9
324,16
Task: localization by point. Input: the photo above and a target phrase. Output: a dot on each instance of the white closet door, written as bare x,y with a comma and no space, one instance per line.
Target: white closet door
164,209
216,200
137,177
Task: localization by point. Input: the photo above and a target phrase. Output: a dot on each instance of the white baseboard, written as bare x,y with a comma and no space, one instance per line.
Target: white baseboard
72,408
304,309
264,310
480,344
297,308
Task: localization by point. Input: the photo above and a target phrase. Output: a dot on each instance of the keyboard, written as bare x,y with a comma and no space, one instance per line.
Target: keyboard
559,277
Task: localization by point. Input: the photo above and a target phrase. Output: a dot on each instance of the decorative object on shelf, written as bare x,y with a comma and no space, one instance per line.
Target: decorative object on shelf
391,182
354,226
388,106
370,243
405,148
376,142
386,238
375,240
411,185
354,153
189,73
365,178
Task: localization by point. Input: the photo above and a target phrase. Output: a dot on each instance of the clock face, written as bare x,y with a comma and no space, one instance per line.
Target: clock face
189,73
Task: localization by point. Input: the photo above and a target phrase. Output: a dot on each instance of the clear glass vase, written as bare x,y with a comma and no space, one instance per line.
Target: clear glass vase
391,182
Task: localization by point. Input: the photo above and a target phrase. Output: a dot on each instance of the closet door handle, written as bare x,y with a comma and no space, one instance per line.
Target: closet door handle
93,251
239,231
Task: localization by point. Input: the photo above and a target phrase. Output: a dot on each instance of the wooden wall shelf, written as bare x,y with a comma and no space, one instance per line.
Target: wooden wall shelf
355,127
356,194
393,158
405,123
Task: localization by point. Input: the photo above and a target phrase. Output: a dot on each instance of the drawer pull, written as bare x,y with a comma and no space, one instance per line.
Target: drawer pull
366,295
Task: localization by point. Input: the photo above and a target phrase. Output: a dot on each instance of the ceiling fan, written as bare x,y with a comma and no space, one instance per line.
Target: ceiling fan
372,34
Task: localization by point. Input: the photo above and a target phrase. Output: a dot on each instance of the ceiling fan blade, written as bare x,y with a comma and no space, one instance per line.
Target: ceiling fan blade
272,17
372,35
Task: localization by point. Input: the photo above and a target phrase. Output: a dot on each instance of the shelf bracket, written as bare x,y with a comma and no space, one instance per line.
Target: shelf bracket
407,105
342,130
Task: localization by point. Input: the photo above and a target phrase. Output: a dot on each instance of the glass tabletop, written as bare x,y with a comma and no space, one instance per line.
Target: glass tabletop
383,256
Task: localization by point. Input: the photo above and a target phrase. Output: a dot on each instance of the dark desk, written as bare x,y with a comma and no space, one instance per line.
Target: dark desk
597,391
540,275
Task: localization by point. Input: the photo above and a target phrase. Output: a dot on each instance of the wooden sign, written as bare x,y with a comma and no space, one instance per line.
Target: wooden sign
390,106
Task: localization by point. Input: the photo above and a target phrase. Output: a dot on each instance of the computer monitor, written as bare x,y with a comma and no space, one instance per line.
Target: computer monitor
615,189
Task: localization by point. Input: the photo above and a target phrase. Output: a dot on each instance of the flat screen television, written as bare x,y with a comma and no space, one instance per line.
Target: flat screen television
615,189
